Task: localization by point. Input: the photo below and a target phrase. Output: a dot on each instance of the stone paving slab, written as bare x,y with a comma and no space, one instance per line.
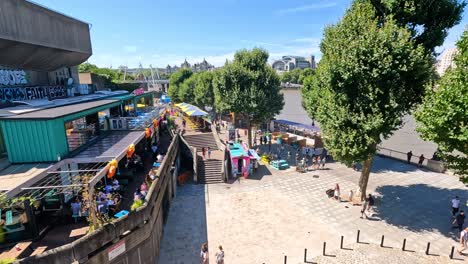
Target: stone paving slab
261,219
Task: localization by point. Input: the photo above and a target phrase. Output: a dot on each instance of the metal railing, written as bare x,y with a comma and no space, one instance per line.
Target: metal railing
430,164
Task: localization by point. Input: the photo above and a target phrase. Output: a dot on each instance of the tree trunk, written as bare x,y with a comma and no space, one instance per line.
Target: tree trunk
249,133
364,179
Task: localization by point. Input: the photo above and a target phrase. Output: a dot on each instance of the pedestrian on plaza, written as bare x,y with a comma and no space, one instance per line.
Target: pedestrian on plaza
421,160
220,255
204,253
319,161
336,192
365,204
204,152
408,156
463,240
455,205
460,220
314,162
324,160
184,123
209,153
370,204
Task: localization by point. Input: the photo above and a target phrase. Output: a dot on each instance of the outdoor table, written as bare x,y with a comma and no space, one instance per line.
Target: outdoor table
121,214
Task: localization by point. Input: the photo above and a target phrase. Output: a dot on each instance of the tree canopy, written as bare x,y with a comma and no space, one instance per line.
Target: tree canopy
427,21
443,116
249,86
297,75
204,94
371,73
176,81
185,92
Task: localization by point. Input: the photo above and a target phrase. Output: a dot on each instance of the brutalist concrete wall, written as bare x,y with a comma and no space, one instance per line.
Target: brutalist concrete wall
134,238
33,37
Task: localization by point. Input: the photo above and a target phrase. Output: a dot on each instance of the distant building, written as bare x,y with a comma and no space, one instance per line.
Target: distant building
197,67
288,63
446,61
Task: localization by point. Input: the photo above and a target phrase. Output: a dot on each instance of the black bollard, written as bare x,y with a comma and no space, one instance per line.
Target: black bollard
404,245
428,247
324,247
451,252
285,259
357,238
382,241
341,244
305,255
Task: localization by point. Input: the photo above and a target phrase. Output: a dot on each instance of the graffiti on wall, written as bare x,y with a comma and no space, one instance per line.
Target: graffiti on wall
13,77
32,93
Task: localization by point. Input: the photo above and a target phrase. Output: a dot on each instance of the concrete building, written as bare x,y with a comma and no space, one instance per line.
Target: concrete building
288,63
446,61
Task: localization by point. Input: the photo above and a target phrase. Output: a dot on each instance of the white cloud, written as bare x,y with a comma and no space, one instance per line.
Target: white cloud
305,8
131,49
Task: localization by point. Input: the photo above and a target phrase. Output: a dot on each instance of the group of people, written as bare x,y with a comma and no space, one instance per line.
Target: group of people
204,254
409,155
205,151
367,205
459,220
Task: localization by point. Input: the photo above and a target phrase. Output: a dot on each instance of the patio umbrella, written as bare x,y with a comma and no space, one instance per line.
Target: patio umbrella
197,112
188,108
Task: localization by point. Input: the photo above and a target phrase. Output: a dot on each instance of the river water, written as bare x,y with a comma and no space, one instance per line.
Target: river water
403,139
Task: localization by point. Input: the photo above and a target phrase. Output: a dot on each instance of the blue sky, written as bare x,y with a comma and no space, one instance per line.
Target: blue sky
161,32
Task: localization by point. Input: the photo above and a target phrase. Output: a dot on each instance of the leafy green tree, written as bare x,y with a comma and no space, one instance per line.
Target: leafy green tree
427,20
250,87
204,94
175,81
291,76
443,116
186,90
370,75
87,67
304,74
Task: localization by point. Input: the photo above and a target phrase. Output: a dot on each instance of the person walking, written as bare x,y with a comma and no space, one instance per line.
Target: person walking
204,152
455,205
314,162
364,208
421,160
336,192
408,156
463,240
209,153
370,203
319,162
220,255
324,160
460,220
204,253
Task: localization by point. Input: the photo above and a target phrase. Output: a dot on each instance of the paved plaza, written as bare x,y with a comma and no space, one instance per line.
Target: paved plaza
272,214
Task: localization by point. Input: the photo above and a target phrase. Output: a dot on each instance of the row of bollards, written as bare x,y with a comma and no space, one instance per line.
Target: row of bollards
403,248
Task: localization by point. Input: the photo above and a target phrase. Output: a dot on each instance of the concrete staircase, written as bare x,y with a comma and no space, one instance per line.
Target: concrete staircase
209,171
201,140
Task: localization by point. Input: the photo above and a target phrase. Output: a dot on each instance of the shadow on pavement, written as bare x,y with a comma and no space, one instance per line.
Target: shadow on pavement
384,165
419,207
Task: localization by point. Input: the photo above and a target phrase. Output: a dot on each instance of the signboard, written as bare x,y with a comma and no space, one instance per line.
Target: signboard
9,217
13,77
138,91
116,250
32,93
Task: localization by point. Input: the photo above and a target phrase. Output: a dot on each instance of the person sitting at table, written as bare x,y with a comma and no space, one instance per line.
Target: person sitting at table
138,195
144,188
160,157
102,206
76,207
114,208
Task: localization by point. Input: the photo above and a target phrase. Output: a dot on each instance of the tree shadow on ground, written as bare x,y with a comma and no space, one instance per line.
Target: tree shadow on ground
419,207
